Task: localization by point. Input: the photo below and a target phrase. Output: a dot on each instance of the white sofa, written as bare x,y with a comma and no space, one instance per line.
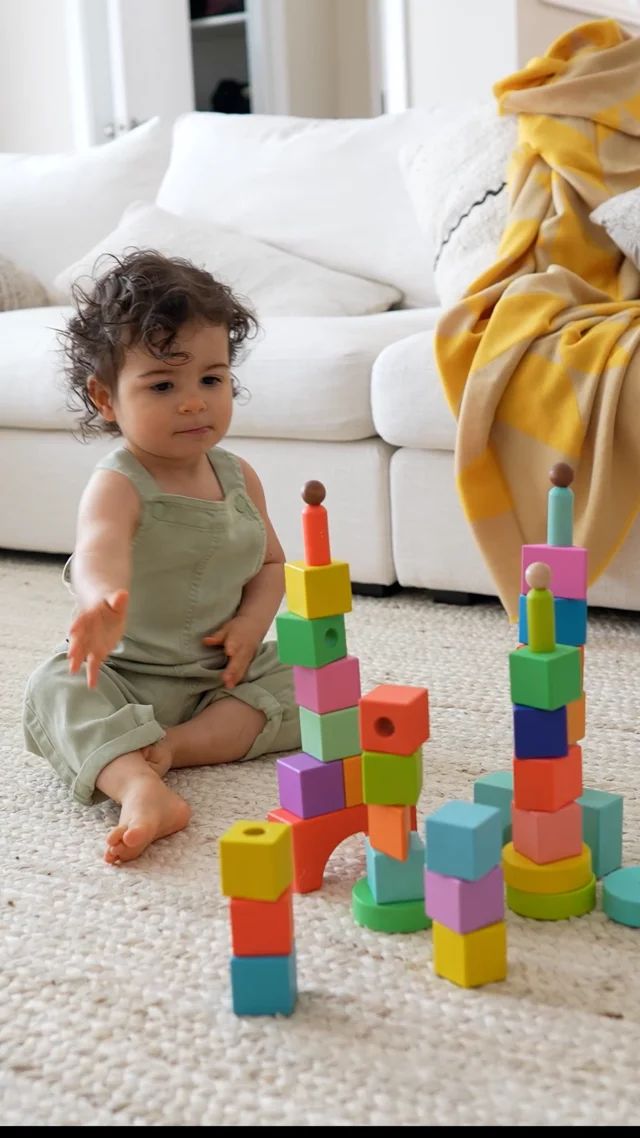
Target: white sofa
353,400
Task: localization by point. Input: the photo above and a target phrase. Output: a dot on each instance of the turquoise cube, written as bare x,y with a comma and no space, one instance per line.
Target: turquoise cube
571,621
497,790
602,829
390,880
334,735
264,985
464,839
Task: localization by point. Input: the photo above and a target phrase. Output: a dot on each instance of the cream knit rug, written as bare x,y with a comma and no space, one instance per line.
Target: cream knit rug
115,998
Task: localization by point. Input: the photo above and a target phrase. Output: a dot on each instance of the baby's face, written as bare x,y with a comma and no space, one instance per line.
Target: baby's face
180,408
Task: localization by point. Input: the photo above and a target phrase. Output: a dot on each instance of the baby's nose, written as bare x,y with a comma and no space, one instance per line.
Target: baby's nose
192,403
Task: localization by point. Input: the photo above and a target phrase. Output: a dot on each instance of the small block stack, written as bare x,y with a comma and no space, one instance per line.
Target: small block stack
464,893
394,724
256,870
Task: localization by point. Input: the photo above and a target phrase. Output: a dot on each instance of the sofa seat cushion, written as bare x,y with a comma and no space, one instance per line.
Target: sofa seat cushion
407,399
306,377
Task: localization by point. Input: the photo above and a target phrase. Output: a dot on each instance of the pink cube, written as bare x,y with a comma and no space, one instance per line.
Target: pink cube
568,564
545,836
333,687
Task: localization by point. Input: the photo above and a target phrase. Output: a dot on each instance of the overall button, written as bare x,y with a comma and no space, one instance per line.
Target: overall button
240,506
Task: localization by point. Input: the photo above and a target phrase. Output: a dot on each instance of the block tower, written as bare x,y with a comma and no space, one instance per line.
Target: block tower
394,724
320,789
464,893
256,871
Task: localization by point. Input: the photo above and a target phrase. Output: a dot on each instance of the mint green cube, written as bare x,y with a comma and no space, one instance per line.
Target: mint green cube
334,735
602,829
546,680
391,780
497,790
310,643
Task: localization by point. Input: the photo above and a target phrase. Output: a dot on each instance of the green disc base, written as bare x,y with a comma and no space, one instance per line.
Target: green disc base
553,906
621,896
396,917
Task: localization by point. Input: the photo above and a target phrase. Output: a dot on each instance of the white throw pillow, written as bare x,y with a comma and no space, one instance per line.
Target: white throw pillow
19,289
327,189
620,218
53,207
276,283
456,179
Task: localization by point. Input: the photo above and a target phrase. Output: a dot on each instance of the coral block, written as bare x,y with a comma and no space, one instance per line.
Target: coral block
464,905
470,959
545,680
256,860
335,735
564,876
330,688
497,790
392,880
262,928
352,774
394,719
571,621
577,719
389,829
544,836
315,839
464,839
568,564
264,985
308,787
602,829
391,780
547,784
539,734
310,643
315,591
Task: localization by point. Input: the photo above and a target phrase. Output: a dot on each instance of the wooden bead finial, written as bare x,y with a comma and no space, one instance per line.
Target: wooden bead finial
313,493
538,575
561,474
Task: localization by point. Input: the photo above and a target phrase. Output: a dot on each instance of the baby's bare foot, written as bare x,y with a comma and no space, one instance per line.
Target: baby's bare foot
149,811
159,756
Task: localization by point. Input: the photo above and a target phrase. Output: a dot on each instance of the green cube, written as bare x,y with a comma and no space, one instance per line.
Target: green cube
497,790
546,680
310,643
334,735
391,780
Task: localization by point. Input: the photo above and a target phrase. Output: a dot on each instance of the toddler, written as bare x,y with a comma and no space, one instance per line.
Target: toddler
177,571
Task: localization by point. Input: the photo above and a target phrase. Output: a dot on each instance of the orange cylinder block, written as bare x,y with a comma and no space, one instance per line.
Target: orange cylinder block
315,533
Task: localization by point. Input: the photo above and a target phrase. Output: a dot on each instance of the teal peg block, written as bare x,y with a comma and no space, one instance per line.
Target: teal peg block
560,516
264,985
497,790
464,839
390,880
602,829
334,735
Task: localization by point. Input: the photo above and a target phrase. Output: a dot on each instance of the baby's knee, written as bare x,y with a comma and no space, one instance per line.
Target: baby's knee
46,677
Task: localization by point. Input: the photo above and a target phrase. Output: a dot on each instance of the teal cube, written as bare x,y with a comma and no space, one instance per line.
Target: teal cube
334,735
390,880
264,985
310,643
602,829
546,680
497,790
464,839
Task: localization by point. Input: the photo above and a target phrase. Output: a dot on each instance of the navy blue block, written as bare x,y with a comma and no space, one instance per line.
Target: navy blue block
539,734
571,621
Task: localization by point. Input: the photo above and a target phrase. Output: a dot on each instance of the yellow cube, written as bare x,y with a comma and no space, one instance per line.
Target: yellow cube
256,860
315,591
470,959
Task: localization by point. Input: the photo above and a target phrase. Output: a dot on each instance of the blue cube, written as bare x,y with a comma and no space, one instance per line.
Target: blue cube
571,621
539,734
264,985
390,880
464,839
602,829
497,790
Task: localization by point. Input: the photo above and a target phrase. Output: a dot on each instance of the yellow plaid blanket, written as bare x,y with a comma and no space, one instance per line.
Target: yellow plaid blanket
538,360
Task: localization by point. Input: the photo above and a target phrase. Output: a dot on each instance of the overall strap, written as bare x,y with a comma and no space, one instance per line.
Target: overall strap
121,460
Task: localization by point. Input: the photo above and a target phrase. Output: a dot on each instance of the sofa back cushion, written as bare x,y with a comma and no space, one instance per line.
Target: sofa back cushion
330,190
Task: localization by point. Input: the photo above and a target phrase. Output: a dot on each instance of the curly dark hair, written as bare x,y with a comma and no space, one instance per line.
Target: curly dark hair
142,300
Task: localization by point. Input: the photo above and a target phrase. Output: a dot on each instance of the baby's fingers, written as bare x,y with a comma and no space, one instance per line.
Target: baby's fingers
93,669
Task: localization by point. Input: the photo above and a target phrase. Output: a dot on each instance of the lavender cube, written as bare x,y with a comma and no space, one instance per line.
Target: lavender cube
464,906
309,787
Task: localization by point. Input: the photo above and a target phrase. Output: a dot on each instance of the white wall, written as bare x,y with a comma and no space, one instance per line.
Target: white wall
35,99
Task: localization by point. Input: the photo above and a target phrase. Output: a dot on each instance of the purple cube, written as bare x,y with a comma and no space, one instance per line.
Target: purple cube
309,787
464,906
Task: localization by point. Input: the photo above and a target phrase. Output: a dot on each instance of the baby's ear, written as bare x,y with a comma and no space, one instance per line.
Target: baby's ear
101,398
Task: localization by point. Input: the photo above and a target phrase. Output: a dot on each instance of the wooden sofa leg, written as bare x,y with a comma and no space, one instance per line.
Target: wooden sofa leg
445,597
374,590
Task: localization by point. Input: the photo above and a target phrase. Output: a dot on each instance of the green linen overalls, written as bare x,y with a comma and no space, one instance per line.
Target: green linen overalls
190,562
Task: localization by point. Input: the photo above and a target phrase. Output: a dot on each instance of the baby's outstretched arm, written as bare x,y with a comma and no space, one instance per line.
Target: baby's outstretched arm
101,569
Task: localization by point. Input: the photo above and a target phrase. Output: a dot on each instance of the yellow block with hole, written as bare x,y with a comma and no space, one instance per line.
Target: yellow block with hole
470,959
318,590
556,877
256,860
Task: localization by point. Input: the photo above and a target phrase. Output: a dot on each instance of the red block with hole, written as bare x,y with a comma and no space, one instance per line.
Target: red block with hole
394,719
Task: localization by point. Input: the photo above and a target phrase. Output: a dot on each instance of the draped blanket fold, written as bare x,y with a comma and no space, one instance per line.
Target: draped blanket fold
540,360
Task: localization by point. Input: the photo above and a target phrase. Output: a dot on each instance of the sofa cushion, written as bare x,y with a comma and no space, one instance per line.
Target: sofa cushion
56,206
329,190
305,377
407,399
275,282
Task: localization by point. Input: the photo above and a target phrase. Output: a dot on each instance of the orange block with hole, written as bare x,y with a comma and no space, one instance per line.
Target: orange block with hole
389,829
545,836
577,719
394,719
352,770
547,784
315,839
262,928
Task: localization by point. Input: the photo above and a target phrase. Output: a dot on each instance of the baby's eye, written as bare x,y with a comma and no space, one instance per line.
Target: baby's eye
164,385
211,380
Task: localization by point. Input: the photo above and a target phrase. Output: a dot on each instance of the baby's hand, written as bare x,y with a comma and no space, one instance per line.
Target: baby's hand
240,640
95,633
